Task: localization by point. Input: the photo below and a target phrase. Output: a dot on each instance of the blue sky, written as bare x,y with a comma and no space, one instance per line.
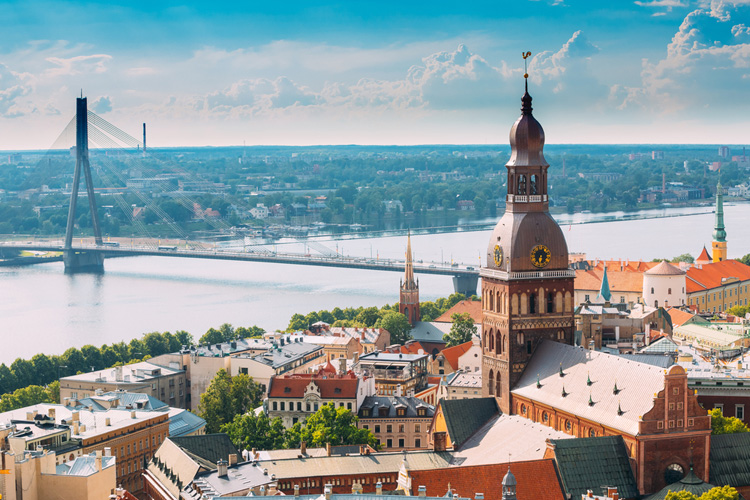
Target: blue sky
386,72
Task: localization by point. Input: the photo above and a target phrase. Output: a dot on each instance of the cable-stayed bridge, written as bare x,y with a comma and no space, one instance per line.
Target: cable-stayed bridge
88,254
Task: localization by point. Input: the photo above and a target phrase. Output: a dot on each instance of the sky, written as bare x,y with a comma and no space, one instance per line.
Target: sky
387,72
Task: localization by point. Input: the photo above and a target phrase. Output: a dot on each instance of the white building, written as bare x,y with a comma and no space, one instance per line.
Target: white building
260,211
664,286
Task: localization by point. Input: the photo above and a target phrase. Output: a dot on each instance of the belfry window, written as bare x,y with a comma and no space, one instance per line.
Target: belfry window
532,303
521,184
534,184
550,303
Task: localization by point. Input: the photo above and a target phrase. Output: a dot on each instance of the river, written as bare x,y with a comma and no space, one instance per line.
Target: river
44,310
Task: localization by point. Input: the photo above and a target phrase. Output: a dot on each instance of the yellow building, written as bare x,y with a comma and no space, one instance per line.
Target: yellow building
718,286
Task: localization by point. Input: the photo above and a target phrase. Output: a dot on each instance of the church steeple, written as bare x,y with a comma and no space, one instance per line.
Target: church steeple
719,245
604,291
408,303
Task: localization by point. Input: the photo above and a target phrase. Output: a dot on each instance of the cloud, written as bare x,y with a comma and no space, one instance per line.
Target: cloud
707,65
12,89
669,4
102,105
95,63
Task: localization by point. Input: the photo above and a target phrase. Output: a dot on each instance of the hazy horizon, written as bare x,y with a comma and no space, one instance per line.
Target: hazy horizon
322,72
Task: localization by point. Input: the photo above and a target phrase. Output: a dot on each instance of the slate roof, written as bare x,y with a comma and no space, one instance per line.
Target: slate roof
430,332
83,466
659,360
537,480
207,449
391,402
460,378
182,422
239,478
636,383
587,463
125,400
503,435
690,483
286,354
472,307
730,459
463,417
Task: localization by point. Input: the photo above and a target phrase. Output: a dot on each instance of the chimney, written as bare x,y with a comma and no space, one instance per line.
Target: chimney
107,422
107,451
589,493
303,448
612,492
422,491
232,459
51,413
75,427
262,490
356,488
378,488
479,496
342,365
327,491
296,491
75,416
98,460
132,414
439,441
328,449
30,415
221,465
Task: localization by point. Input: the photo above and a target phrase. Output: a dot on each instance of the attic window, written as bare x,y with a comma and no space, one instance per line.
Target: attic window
421,412
287,389
401,412
337,390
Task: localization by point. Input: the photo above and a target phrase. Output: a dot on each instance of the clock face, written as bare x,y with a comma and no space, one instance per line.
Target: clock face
540,256
498,255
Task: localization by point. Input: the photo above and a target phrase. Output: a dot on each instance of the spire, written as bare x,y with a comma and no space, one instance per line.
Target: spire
509,486
526,99
719,233
409,282
604,291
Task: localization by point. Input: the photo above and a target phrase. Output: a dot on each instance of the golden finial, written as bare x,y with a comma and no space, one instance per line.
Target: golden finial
525,55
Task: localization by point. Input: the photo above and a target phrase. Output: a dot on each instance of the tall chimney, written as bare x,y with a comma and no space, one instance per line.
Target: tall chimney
232,459
328,449
328,490
378,488
221,465
342,365
144,138
439,441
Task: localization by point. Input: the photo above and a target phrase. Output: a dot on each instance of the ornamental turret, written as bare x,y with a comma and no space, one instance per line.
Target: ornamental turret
719,244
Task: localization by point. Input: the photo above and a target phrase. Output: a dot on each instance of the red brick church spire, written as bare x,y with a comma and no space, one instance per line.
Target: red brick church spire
408,302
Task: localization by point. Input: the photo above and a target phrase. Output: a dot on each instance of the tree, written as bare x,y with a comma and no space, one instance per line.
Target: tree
685,257
212,336
462,330
297,323
256,431
397,325
725,425
155,344
226,397
253,332
368,316
24,372
745,259
44,369
718,493
183,337
329,424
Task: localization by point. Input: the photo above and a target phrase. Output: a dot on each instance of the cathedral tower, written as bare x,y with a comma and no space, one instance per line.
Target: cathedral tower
719,244
408,300
527,287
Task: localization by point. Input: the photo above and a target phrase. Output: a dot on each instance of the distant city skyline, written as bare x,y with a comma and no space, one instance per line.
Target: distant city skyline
309,73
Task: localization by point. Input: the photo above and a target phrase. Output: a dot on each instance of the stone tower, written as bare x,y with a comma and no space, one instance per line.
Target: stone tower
527,287
408,300
719,244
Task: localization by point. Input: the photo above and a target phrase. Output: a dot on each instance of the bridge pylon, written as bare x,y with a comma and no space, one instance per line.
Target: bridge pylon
80,260
465,284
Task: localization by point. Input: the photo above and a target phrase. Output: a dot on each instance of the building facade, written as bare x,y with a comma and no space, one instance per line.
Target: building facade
718,286
395,374
664,286
398,422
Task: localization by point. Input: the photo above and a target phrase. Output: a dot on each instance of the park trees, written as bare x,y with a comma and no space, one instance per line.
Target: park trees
725,425
397,325
226,397
462,330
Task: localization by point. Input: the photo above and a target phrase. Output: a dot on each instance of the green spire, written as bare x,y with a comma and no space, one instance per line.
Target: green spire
591,401
604,291
588,379
719,233
562,373
615,391
619,409
538,384
563,391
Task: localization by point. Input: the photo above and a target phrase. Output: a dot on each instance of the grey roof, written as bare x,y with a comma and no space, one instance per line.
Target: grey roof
183,422
284,355
659,360
636,383
691,483
663,345
374,463
598,309
226,348
503,435
430,332
124,400
83,466
240,478
463,417
463,379
411,403
391,357
135,373
730,459
207,449
584,463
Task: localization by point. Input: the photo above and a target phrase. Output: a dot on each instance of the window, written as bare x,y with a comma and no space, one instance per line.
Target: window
652,290
669,291
568,426
679,422
283,406
389,428
676,391
679,406
401,428
528,347
586,298
299,405
401,443
417,443
418,427
348,406
622,299
671,406
592,433
315,405
691,422
739,411
365,426
275,406
671,424
389,443
659,424
720,406
377,429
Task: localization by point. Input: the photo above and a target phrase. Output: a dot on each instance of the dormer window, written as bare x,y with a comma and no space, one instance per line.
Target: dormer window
383,411
422,412
401,412
337,390
287,389
365,412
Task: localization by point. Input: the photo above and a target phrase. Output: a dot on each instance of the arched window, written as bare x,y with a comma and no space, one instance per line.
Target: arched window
568,302
652,290
550,302
559,302
498,303
532,303
491,383
514,304
498,344
406,313
492,340
534,184
521,184
498,389
492,302
519,338
669,291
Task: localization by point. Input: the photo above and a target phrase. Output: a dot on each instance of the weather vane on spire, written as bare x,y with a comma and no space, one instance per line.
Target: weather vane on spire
525,55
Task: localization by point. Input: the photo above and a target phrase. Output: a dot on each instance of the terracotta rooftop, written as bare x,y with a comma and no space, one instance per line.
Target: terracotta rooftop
452,354
619,281
537,480
637,266
704,257
330,387
711,275
473,307
665,269
679,317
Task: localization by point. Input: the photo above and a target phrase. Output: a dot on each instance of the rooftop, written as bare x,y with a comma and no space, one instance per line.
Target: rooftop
391,357
84,466
472,307
636,384
451,354
629,280
463,417
239,478
136,373
183,422
295,386
664,268
411,403
227,348
284,355
370,334
714,274
430,332
460,378
710,335
207,449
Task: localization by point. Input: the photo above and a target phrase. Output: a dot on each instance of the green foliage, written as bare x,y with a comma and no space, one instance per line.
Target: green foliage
397,325
430,311
31,395
227,397
329,424
718,493
249,431
685,257
745,259
739,311
725,425
462,330
227,333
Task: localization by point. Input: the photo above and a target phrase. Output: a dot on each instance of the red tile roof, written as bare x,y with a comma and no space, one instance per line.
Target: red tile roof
473,307
679,317
294,386
619,281
637,266
710,275
411,347
704,257
452,354
537,480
